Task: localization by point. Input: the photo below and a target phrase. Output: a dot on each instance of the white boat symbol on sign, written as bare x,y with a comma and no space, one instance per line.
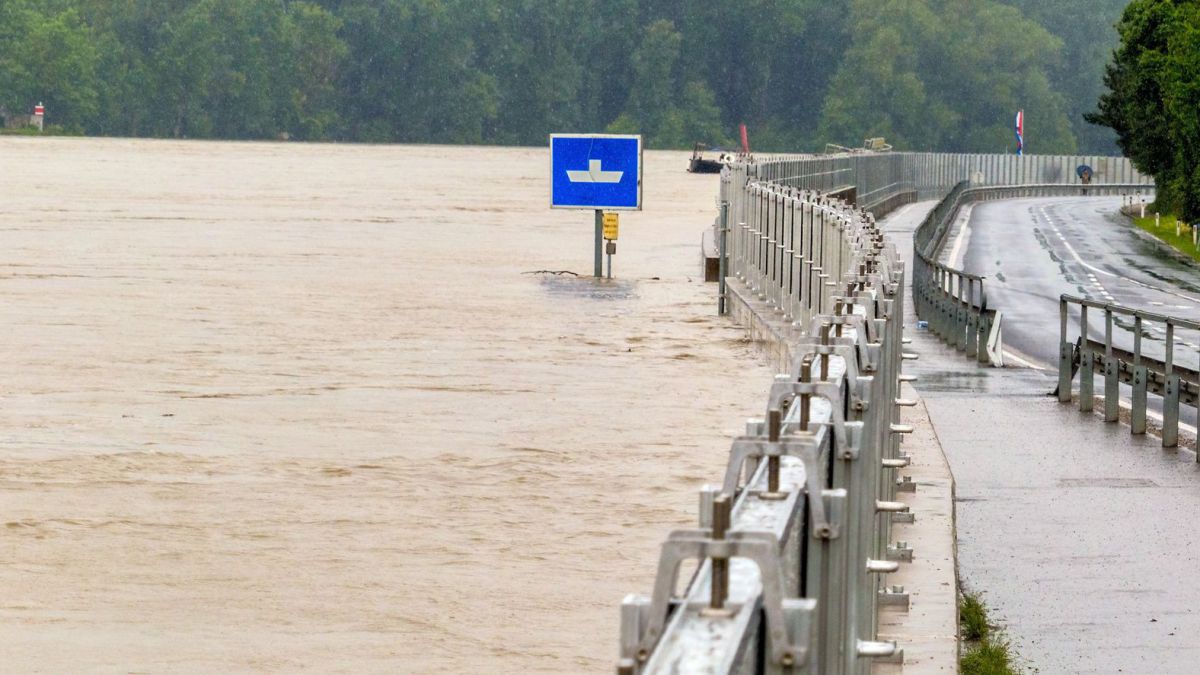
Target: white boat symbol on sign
594,174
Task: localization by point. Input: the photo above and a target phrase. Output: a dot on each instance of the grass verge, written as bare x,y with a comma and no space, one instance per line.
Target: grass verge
987,658
987,653
1166,232
973,616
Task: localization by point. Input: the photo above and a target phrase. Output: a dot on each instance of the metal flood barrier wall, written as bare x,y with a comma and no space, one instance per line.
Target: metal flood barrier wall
793,546
953,302
879,176
1140,370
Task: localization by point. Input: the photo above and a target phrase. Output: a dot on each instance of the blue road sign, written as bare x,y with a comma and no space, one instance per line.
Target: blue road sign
593,171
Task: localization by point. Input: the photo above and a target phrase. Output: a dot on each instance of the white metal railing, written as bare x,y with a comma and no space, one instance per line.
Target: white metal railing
1147,368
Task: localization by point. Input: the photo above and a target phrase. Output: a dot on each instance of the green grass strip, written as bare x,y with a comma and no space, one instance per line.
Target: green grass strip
972,614
988,653
1166,232
988,658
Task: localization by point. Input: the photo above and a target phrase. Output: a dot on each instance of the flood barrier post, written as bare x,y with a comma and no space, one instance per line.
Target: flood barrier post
722,263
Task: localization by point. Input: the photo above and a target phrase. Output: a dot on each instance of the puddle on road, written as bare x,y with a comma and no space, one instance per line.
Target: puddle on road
1102,482
973,381
1180,280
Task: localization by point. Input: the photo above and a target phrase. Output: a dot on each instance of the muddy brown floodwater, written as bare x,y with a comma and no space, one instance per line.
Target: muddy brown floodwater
278,407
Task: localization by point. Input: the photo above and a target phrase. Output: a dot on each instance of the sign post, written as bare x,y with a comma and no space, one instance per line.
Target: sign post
612,224
597,269
597,172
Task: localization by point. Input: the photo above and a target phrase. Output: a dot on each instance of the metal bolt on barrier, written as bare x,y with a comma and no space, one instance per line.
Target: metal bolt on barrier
720,564
894,596
774,420
901,552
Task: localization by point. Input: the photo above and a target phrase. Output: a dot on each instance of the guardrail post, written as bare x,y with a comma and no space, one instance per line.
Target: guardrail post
944,284
1137,421
1087,396
986,320
1170,430
936,293
960,313
1112,385
973,318
1066,353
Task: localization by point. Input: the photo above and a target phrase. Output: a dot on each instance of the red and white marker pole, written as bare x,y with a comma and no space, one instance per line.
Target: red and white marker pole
39,115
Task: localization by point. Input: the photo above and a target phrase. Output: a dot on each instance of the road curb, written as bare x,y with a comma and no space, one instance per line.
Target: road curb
929,630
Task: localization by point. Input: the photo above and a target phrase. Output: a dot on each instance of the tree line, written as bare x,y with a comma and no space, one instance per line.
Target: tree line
928,74
1153,99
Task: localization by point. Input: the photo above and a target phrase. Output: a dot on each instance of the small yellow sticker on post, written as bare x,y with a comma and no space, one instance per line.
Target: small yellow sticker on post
611,225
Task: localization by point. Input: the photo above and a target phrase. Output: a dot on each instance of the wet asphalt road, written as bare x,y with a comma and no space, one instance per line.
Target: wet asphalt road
1080,537
1034,250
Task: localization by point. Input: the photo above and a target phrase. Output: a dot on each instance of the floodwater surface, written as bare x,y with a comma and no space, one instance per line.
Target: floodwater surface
279,407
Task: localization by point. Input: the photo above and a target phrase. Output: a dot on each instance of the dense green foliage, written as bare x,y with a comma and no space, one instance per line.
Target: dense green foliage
1154,96
946,74
943,74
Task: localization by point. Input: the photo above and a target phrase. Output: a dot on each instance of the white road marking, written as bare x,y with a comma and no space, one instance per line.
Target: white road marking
1010,356
1159,418
958,241
1075,254
1147,286
1118,277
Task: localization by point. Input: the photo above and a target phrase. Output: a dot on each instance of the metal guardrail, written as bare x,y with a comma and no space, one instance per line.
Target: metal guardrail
954,302
793,546
1143,372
